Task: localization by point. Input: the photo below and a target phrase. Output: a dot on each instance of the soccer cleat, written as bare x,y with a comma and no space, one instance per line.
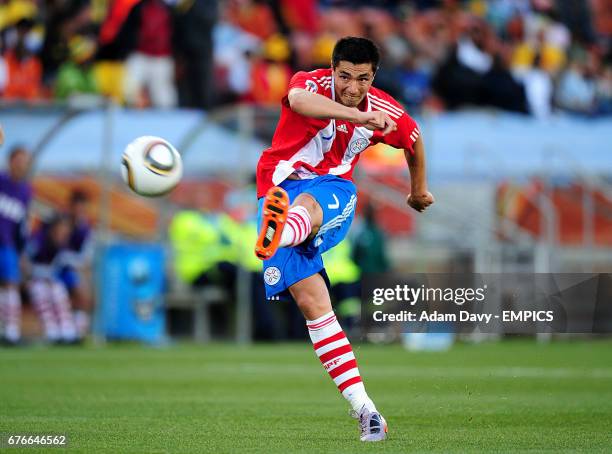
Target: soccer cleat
275,209
372,425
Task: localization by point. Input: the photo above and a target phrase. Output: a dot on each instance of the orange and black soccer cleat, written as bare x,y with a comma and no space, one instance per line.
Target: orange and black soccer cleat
275,209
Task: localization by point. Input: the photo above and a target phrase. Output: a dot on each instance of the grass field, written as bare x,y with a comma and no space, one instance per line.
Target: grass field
506,397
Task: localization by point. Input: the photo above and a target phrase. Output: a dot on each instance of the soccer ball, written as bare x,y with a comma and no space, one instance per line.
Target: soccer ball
151,166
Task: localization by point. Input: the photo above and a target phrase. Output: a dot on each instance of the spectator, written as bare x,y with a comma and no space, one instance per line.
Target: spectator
576,90
472,49
76,76
63,21
233,56
500,88
301,15
150,64
270,75
369,248
456,84
197,246
538,89
255,17
604,91
194,46
47,293
113,50
447,47
75,260
15,196
23,68
414,80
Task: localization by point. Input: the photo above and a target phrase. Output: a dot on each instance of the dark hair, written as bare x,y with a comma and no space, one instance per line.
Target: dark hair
78,196
54,220
357,51
17,149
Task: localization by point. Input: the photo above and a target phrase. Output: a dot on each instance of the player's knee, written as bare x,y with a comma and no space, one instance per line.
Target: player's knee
314,209
310,306
311,300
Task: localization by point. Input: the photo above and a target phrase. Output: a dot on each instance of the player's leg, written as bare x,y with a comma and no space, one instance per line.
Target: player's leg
80,302
336,354
63,311
10,313
10,300
40,296
326,205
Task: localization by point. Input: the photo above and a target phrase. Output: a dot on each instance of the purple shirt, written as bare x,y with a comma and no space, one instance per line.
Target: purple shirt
42,249
79,237
79,249
44,254
15,199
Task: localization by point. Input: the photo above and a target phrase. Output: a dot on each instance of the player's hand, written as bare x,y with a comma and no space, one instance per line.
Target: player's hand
420,200
376,120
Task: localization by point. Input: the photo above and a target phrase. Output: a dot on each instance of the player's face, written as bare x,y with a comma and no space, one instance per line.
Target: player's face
19,165
78,210
352,82
61,233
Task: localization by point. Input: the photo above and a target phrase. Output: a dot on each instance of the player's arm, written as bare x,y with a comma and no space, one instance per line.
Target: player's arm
420,197
318,106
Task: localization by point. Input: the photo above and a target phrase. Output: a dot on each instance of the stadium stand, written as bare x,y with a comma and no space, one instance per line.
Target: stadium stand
518,55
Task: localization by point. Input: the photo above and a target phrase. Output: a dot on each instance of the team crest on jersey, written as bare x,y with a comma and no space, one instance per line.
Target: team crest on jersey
311,86
272,275
357,146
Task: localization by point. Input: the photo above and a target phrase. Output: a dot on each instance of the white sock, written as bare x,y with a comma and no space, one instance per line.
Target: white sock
61,305
3,308
40,294
82,321
336,354
12,326
297,228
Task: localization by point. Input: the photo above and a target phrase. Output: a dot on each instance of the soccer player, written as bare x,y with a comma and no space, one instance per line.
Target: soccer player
76,259
48,293
15,195
307,199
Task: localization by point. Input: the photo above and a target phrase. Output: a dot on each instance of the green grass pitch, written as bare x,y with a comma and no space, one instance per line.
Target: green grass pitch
503,397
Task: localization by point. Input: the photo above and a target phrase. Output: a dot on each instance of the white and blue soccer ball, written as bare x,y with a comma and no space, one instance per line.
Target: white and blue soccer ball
151,166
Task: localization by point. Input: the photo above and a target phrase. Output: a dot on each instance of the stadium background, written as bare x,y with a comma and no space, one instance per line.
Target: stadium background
514,98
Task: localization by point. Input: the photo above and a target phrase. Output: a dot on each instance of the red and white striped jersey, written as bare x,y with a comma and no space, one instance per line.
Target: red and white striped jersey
311,147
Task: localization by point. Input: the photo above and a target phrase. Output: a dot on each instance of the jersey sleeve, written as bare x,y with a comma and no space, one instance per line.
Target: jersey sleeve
307,81
406,134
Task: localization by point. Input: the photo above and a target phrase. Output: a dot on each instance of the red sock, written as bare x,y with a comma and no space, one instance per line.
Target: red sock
336,354
297,228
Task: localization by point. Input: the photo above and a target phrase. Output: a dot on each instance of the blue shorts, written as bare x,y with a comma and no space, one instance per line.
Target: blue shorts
69,277
338,199
9,265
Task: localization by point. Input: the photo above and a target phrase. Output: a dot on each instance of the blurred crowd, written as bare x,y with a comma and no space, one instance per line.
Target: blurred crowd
529,56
